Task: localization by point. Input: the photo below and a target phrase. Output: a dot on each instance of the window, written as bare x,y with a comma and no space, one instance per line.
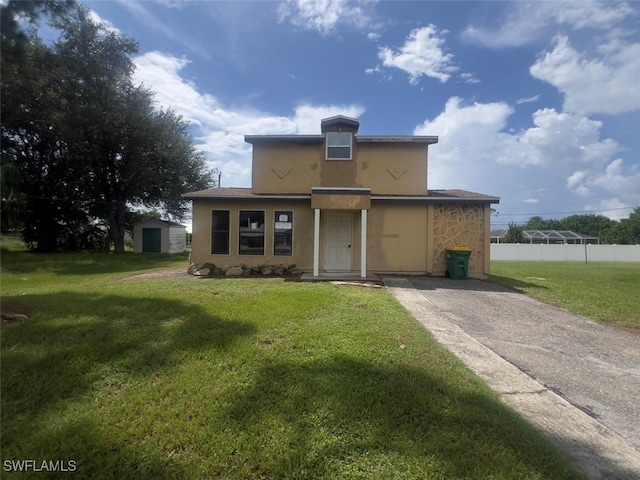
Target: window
251,232
338,146
283,233
220,232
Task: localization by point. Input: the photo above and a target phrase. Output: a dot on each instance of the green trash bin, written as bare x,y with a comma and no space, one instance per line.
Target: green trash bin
458,262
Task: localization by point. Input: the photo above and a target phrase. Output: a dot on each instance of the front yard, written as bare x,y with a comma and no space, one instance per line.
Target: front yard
188,378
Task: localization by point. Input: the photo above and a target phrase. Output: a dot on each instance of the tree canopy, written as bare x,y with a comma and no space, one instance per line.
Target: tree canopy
81,141
623,232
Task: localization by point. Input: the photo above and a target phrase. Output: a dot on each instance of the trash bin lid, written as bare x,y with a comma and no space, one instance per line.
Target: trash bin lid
458,249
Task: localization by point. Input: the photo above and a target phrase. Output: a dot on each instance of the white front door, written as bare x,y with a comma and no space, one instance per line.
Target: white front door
337,241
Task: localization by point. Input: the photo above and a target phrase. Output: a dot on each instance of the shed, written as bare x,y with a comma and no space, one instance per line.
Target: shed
159,236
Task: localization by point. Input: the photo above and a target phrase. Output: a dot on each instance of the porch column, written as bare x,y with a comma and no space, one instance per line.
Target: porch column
316,242
363,244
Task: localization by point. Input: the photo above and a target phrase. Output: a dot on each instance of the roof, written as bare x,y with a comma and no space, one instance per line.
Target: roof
547,234
318,139
339,120
164,222
439,195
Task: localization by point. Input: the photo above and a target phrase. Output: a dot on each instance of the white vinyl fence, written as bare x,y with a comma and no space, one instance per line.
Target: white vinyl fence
565,253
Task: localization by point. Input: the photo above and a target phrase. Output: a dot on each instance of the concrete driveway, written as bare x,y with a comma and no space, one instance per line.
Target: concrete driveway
577,380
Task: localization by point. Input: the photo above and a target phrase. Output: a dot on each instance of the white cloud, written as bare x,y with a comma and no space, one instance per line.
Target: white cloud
469,78
556,138
146,17
607,85
421,55
535,98
619,186
108,26
325,15
219,130
526,22
476,153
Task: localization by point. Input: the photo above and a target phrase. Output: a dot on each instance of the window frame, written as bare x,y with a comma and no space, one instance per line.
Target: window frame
228,231
264,233
276,214
327,146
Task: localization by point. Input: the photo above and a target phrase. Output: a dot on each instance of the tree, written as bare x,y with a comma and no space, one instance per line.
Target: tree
88,143
514,234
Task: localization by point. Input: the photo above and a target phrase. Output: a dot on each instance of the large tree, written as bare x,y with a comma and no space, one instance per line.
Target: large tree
107,147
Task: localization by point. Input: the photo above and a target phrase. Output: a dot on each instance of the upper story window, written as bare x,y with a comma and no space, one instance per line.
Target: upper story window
339,146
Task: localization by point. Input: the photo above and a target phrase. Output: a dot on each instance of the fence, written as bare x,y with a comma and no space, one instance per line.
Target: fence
565,253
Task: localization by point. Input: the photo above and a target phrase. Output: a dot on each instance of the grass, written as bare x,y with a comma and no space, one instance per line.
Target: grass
240,379
605,292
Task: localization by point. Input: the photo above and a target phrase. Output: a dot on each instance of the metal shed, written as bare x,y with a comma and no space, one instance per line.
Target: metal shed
159,236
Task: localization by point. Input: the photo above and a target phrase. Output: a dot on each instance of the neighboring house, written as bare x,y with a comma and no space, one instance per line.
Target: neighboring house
159,236
341,202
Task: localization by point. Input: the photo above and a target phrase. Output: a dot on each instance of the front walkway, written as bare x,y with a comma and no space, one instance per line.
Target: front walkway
501,334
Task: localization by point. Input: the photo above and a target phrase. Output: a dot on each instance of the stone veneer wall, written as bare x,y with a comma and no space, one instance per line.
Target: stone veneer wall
459,226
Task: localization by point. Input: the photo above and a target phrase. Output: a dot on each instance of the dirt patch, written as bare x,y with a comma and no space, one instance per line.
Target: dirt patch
11,313
167,274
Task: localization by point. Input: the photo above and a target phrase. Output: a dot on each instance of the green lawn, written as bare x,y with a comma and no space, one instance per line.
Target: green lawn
605,292
199,378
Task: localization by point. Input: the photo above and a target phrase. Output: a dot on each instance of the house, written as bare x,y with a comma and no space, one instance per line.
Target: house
159,236
341,202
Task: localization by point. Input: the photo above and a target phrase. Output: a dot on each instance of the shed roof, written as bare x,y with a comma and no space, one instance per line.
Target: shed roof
163,222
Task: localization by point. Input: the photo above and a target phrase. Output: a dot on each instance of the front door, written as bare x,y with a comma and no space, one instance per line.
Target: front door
337,241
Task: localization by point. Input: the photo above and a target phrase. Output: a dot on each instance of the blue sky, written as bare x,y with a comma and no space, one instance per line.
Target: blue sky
535,102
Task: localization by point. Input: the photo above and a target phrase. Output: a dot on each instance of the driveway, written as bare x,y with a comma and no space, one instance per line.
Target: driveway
575,379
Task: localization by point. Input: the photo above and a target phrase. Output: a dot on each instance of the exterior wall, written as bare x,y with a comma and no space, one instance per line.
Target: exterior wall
386,168
458,225
397,240
302,233
176,239
403,237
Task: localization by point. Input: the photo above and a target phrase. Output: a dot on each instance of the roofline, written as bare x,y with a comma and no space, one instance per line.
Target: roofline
312,139
436,199
397,139
401,198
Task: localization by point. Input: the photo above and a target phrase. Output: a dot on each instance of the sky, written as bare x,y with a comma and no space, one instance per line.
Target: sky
535,102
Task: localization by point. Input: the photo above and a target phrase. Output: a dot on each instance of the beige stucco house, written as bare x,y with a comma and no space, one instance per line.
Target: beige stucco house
341,202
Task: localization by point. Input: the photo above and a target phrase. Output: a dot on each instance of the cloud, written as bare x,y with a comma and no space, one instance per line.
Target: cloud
535,98
527,22
617,182
421,55
108,26
475,152
144,16
469,78
219,130
606,85
325,16
556,138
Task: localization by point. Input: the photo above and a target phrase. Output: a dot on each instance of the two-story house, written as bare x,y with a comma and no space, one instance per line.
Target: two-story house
341,202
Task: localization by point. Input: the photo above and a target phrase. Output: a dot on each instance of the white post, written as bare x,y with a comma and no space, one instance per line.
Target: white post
363,244
316,242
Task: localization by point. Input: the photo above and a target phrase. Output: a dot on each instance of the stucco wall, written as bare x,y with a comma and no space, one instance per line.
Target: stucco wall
397,240
302,233
402,237
458,226
388,169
